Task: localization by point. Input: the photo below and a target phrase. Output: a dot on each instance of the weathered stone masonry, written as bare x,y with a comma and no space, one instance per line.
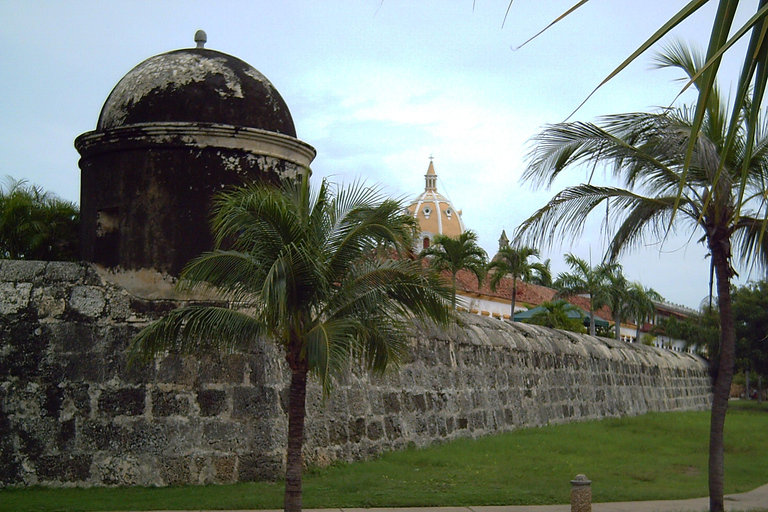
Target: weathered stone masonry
73,413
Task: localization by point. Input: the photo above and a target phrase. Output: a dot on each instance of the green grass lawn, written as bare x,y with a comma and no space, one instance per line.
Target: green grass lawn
649,457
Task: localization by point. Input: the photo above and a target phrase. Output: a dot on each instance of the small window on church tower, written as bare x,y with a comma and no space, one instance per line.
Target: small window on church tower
448,212
427,211
426,242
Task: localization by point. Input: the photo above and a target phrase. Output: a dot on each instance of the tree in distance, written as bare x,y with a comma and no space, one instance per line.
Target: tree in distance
316,273
513,262
559,314
640,305
457,253
36,225
720,190
583,279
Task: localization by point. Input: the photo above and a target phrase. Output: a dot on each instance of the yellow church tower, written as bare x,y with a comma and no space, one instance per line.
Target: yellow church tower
434,212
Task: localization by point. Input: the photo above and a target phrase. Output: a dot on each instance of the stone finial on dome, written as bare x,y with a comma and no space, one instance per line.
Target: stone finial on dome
201,38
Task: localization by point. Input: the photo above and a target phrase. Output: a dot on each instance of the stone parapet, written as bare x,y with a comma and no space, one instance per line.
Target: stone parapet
73,412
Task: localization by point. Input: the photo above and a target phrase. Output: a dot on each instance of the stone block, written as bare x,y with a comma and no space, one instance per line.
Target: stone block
391,403
33,440
223,369
224,468
14,297
169,403
175,470
66,437
337,432
151,438
212,402
21,270
226,436
88,301
419,403
64,468
64,271
127,469
375,430
23,352
356,430
67,337
249,402
393,427
122,402
104,436
176,369
254,467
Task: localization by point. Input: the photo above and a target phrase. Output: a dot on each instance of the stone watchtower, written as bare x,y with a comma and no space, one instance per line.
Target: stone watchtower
177,128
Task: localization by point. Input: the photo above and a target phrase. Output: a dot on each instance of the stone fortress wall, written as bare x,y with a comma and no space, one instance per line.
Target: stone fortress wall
73,413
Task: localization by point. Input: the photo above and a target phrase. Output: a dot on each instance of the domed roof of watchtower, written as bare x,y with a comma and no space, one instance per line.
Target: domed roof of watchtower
200,86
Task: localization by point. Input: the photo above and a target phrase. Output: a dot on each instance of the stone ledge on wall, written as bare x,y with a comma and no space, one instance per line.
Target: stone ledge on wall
72,412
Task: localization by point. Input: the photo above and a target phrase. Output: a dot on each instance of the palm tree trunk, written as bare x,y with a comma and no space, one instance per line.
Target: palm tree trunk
720,249
591,316
617,321
453,284
296,415
514,298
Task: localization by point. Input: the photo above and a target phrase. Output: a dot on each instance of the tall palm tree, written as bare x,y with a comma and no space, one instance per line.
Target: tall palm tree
613,293
722,192
583,279
457,253
513,261
750,88
303,270
640,305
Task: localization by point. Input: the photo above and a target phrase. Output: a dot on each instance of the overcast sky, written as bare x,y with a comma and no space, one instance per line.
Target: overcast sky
376,86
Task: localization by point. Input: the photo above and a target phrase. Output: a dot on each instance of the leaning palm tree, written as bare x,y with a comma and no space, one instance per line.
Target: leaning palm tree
640,305
457,253
722,192
305,271
583,279
513,261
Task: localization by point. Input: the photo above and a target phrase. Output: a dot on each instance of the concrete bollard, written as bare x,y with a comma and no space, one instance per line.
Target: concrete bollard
581,494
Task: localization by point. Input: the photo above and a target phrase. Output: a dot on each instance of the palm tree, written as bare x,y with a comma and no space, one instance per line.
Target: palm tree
304,271
513,261
583,279
721,191
750,89
542,274
640,305
457,253
559,314
613,293
36,225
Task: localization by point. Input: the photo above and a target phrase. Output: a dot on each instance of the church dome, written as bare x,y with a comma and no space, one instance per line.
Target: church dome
196,85
434,212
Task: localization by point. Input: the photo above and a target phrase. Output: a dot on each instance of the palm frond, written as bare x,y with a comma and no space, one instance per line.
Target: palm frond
195,330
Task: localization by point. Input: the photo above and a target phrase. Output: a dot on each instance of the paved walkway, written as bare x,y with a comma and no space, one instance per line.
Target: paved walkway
752,500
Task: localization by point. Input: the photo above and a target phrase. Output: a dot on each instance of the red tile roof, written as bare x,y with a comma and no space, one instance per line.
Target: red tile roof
528,294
